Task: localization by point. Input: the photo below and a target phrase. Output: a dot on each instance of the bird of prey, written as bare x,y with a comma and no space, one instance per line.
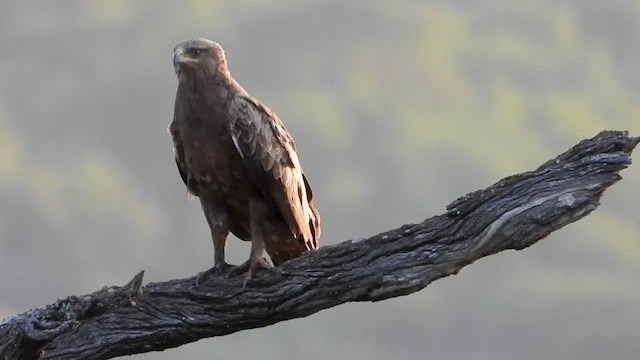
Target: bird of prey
238,158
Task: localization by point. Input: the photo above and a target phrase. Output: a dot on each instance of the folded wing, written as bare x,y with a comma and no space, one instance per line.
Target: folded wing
269,153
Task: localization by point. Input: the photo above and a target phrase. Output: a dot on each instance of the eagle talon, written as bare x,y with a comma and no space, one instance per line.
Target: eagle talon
239,269
255,264
219,270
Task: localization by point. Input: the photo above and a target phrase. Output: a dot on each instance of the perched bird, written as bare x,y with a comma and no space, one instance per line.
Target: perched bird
238,158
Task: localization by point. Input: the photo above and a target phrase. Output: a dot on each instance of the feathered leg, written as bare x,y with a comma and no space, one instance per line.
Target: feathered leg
257,212
218,221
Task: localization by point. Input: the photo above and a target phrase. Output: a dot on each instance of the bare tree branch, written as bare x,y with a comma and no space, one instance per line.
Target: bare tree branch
514,213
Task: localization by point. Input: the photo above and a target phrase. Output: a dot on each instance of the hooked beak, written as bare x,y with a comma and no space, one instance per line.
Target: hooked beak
180,59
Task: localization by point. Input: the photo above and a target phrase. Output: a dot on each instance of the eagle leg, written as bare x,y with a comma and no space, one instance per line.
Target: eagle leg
257,212
218,221
256,262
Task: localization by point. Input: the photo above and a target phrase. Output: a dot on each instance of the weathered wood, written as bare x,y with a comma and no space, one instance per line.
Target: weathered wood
514,213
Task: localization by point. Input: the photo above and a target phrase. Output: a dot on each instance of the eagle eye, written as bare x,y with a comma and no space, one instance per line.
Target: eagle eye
196,52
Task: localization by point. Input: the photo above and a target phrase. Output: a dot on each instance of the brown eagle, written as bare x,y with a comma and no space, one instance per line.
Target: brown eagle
237,157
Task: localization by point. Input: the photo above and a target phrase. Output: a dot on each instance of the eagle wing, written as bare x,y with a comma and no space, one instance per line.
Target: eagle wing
178,152
269,153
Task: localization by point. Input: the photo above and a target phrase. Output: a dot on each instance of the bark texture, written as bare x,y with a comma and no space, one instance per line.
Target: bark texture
514,213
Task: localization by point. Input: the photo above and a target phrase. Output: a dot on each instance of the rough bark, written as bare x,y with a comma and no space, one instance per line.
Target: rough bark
514,213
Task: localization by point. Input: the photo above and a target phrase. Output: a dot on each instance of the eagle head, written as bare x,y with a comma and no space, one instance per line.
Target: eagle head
198,55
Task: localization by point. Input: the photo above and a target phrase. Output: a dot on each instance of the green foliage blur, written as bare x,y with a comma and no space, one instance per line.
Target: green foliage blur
397,108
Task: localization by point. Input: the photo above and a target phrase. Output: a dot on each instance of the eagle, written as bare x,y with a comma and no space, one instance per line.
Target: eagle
236,156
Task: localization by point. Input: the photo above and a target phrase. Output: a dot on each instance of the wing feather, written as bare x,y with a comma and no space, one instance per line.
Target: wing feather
178,152
268,151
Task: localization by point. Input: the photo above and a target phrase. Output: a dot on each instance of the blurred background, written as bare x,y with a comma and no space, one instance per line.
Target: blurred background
397,107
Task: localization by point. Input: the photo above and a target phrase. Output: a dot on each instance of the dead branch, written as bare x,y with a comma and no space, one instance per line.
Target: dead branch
514,213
